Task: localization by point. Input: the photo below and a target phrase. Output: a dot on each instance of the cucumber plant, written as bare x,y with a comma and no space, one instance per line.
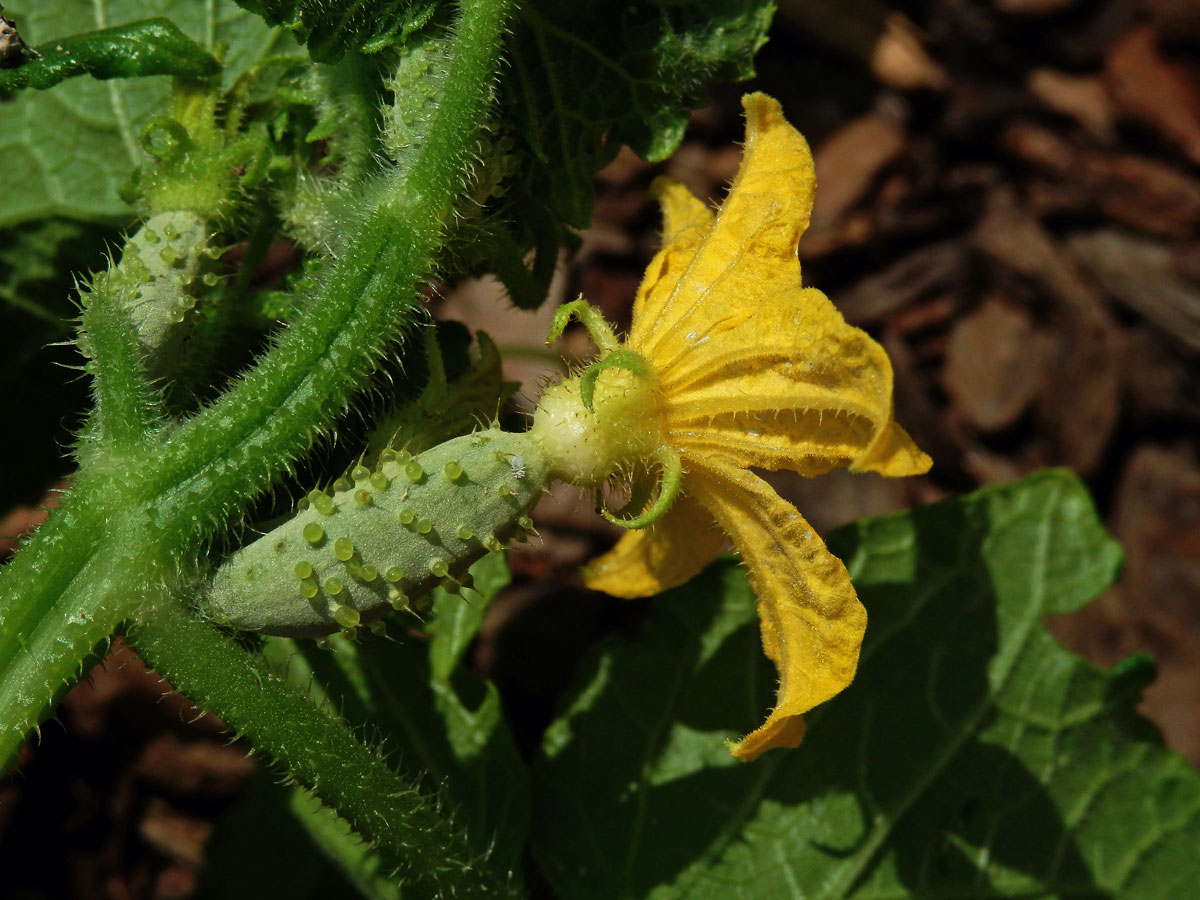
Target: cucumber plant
392,147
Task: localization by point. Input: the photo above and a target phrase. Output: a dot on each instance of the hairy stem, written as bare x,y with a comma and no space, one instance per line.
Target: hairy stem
126,411
319,751
139,515
364,298
61,602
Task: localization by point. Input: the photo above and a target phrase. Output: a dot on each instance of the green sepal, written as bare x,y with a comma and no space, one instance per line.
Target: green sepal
629,360
592,319
669,484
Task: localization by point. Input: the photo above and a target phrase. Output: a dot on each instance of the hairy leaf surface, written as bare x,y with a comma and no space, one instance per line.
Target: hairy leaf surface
592,76
332,28
587,78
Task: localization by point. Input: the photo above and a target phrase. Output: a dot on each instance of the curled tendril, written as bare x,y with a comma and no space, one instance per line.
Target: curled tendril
668,489
165,139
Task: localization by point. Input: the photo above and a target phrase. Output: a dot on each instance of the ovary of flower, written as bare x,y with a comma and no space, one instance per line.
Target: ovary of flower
731,363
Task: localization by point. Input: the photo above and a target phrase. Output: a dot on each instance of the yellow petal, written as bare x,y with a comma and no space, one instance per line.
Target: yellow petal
686,223
695,285
807,441
667,554
757,369
812,623
686,218
893,454
793,386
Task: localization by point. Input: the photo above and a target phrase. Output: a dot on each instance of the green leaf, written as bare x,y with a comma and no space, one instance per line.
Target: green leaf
590,76
586,78
332,29
67,151
148,47
38,265
456,619
972,756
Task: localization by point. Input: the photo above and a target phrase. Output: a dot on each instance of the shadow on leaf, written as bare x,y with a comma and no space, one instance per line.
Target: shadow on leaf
925,778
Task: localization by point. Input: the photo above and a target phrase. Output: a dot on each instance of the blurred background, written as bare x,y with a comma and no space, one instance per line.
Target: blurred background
1008,199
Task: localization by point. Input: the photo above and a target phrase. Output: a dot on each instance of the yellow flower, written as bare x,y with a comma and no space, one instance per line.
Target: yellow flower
731,363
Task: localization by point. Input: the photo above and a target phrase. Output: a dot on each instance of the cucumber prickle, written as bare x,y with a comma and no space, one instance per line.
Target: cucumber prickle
391,536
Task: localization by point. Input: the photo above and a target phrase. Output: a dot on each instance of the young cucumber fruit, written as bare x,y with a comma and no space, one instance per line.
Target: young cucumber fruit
397,532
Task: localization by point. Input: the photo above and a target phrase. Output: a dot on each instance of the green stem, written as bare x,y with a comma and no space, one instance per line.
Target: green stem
127,411
122,538
235,447
319,751
149,47
593,320
338,841
61,603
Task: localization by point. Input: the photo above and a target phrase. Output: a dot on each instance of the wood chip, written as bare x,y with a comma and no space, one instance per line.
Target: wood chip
1147,194
1158,521
1084,98
867,31
1158,518
1138,272
1155,91
1158,384
993,468
946,441
194,766
1176,20
934,315
900,61
849,161
1015,239
915,276
174,833
995,364
1032,7
1186,261
1079,414
848,165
